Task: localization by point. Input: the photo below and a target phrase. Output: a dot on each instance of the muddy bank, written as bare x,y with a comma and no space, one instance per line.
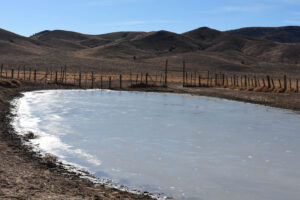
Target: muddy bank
23,175
279,100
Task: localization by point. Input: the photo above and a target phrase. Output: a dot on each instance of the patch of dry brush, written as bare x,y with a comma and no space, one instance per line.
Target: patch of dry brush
10,83
49,160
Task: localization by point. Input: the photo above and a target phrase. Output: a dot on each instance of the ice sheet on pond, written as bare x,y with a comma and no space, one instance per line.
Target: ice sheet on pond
187,147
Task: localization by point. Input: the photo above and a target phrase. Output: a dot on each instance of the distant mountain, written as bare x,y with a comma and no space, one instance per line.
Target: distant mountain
75,41
251,49
203,34
286,34
13,44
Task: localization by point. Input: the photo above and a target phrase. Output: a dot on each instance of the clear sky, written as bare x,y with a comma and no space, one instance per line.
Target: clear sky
27,17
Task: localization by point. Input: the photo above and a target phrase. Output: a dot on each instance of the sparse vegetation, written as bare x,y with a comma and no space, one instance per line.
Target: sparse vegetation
29,136
50,160
10,83
143,85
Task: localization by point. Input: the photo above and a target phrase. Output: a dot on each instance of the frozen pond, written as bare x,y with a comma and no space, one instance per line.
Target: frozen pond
183,146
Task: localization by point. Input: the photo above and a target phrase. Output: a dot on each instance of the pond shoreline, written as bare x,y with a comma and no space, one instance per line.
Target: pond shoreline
289,101
24,175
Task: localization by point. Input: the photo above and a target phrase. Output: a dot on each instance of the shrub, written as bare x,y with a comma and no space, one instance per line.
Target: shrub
16,82
49,160
10,83
29,136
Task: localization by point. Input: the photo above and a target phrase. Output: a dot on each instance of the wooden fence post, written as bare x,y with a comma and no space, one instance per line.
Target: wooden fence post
109,82
290,80
12,73
279,81
249,83
79,80
24,73
121,80
246,84
227,83
146,79
46,76
56,77
268,81
29,74
166,74
186,78
19,72
61,74
223,79
92,80
273,85
86,80
1,69
241,81
199,80
234,80
101,79
66,74
74,77
130,78
216,80
183,73
284,82
34,77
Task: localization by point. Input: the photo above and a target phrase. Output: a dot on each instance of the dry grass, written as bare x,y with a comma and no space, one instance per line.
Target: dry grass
143,85
10,83
29,136
50,160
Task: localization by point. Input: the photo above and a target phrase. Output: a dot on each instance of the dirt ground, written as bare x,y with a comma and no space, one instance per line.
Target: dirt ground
24,176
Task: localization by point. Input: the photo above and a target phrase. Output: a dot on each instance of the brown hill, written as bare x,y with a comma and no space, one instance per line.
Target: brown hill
144,45
249,49
203,34
66,40
13,44
165,42
287,34
75,41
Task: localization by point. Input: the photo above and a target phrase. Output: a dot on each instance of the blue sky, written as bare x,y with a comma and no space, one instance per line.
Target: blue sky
27,17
